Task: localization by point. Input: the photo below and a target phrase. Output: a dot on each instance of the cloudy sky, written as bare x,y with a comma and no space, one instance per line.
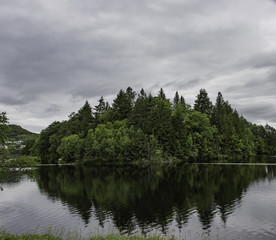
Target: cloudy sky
56,54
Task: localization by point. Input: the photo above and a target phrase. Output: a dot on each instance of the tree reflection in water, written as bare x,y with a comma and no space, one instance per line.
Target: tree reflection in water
151,195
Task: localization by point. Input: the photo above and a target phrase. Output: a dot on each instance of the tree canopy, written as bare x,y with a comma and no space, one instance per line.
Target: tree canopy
142,126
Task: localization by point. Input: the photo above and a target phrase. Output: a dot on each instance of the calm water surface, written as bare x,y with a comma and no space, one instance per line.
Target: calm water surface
188,201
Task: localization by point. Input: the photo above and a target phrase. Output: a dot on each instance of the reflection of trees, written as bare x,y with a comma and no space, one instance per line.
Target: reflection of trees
152,195
14,176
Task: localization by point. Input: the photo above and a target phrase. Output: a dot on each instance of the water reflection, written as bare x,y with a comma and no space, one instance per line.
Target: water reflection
151,196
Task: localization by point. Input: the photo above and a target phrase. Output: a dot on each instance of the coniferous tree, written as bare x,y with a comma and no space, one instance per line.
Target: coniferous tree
176,100
182,100
162,94
142,94
151,127
158,123
131,94
203,103
100,110
122,106
85,118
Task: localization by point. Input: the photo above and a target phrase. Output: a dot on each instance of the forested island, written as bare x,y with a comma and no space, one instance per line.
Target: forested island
145,127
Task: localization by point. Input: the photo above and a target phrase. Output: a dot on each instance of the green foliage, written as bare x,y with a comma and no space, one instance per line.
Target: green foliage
122,105
70,148
118,142
4,128
200,142
146,127
203,103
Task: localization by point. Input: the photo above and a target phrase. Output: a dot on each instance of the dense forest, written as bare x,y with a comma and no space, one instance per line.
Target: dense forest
142,126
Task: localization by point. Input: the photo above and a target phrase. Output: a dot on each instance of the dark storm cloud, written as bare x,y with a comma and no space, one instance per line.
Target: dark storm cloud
55,54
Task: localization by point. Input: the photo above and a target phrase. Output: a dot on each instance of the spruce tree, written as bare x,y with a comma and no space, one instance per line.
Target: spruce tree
161,94
122,106
85,118
176,100
203,103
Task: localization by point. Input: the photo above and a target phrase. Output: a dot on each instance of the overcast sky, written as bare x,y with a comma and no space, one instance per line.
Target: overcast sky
56,54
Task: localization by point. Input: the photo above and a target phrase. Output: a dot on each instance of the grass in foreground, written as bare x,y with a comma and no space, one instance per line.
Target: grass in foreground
5,236
27,237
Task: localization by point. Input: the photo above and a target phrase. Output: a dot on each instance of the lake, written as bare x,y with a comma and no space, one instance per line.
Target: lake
191,201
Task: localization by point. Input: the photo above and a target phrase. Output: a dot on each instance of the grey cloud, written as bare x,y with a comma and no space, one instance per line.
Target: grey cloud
260,60
259,111
255,87
86,49
12,100
53,109
183,84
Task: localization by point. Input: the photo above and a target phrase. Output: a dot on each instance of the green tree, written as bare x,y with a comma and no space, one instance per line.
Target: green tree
44,144
176,100
109,142
162,94
131,94
182,100
84,118
100,111
159,123
4,128
200,142
203,103
70,148
122,106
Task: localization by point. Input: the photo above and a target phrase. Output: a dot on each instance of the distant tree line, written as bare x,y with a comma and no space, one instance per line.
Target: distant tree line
142,126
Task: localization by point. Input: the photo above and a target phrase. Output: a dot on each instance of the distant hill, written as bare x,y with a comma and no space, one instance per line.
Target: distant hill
18,133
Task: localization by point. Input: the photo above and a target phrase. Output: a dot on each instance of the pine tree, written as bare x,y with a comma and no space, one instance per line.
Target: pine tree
122,106
131,94
99,111
182,100
85,118
142,94
203,103
161,94
176,100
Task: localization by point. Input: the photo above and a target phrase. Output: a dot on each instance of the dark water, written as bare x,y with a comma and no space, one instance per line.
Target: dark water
189,201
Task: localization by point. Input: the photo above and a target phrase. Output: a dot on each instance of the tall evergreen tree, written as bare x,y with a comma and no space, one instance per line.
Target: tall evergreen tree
182,100
131,94
216,117
203,103
122,106
176,100
85,118
162,94
142,94
99,111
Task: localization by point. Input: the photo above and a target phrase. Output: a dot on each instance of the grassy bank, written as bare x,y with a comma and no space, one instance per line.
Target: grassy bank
5,236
